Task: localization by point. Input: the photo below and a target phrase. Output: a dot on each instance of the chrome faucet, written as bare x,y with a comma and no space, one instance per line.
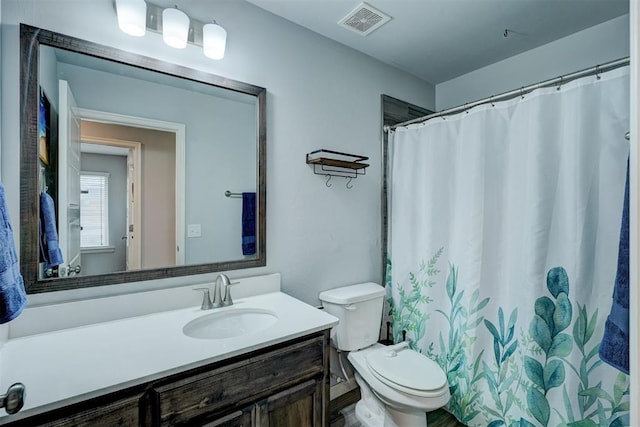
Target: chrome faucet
222,281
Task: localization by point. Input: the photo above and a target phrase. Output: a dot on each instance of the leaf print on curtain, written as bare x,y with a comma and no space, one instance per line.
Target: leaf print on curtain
503,380
503,237
496,372
551,318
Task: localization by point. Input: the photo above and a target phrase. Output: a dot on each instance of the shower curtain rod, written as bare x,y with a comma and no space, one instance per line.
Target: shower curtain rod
519,92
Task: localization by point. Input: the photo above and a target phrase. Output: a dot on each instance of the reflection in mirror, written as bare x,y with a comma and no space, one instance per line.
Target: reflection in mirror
124,177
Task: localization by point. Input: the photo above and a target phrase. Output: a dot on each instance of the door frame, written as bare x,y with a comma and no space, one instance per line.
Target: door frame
179,129
136,148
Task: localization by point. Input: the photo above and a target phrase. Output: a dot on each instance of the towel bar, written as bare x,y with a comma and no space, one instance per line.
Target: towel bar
234,195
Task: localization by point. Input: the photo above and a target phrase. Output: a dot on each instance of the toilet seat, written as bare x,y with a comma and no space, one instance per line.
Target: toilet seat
407,371
391,395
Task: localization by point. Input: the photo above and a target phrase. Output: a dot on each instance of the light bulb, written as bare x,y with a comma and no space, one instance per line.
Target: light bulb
132,16
175,28
214,40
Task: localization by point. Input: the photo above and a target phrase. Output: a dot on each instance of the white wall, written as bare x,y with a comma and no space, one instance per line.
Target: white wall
596,45
320,95
48,75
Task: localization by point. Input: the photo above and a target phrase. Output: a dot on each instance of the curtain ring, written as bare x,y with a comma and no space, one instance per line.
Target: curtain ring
598,72
466,110
560,83
491,101
522,92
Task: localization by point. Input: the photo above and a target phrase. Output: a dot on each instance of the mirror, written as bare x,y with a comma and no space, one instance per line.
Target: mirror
147,169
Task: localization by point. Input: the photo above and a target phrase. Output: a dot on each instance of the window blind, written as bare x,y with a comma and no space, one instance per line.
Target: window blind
94,209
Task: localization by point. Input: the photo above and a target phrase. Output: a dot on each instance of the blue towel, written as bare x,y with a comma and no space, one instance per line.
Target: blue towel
48,232
614,348
248,223
13,298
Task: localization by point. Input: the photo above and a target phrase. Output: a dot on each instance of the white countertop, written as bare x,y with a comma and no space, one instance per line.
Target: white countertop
68,363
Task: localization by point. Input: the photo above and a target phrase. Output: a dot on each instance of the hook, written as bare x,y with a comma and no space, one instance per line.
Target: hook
560,83
522,92
349,178
466,109
598,72
491,101
506,33
328,179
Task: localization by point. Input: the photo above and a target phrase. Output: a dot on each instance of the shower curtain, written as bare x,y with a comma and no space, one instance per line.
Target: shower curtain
504,224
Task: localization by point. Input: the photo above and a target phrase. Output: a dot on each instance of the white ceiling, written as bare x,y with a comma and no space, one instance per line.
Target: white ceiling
438,40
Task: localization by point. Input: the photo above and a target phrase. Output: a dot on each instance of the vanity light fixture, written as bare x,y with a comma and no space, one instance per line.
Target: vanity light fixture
214,40
175,27
132,16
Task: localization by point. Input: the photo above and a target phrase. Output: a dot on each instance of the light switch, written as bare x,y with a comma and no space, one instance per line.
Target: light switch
194,230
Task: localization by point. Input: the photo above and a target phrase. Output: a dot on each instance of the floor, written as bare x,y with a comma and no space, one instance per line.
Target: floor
439,418
442,418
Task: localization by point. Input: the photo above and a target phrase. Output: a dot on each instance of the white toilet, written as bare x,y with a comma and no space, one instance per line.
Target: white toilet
398,385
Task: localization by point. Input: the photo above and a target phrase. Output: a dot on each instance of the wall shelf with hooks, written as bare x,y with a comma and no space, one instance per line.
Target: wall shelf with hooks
336,163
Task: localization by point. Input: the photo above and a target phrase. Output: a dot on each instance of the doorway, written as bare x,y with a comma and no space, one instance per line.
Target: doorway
153,154
110,211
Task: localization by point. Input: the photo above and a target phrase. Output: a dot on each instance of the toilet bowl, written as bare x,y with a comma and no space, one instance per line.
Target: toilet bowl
397,385
406,383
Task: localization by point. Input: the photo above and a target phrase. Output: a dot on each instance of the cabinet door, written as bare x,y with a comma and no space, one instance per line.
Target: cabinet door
242,418
299,406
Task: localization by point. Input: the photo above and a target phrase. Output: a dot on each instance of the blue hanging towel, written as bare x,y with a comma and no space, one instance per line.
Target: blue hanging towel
13,297
48,232
614,348
248,223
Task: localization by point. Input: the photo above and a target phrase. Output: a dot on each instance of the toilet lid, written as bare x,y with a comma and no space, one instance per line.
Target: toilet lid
407,371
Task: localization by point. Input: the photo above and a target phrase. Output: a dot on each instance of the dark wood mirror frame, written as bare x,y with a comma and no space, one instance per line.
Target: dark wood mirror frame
30,40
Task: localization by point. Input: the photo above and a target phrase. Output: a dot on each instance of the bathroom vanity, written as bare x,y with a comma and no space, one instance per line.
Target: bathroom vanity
144,371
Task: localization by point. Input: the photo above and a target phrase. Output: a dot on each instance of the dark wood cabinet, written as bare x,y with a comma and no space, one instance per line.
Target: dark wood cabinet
297,406
277,373
244,418
119,413
285,385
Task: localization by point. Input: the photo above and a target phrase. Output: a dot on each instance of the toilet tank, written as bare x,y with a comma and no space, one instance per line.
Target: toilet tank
359,308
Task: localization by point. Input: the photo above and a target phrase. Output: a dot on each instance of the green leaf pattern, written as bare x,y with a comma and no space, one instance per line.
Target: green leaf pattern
504,370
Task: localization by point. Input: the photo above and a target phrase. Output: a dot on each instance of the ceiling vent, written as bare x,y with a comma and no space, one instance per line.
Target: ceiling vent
364,19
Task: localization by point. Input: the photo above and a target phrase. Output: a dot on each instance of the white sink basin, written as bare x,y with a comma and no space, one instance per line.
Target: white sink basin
230,323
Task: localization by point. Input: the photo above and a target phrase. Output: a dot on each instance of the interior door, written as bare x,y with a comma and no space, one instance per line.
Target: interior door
69,182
